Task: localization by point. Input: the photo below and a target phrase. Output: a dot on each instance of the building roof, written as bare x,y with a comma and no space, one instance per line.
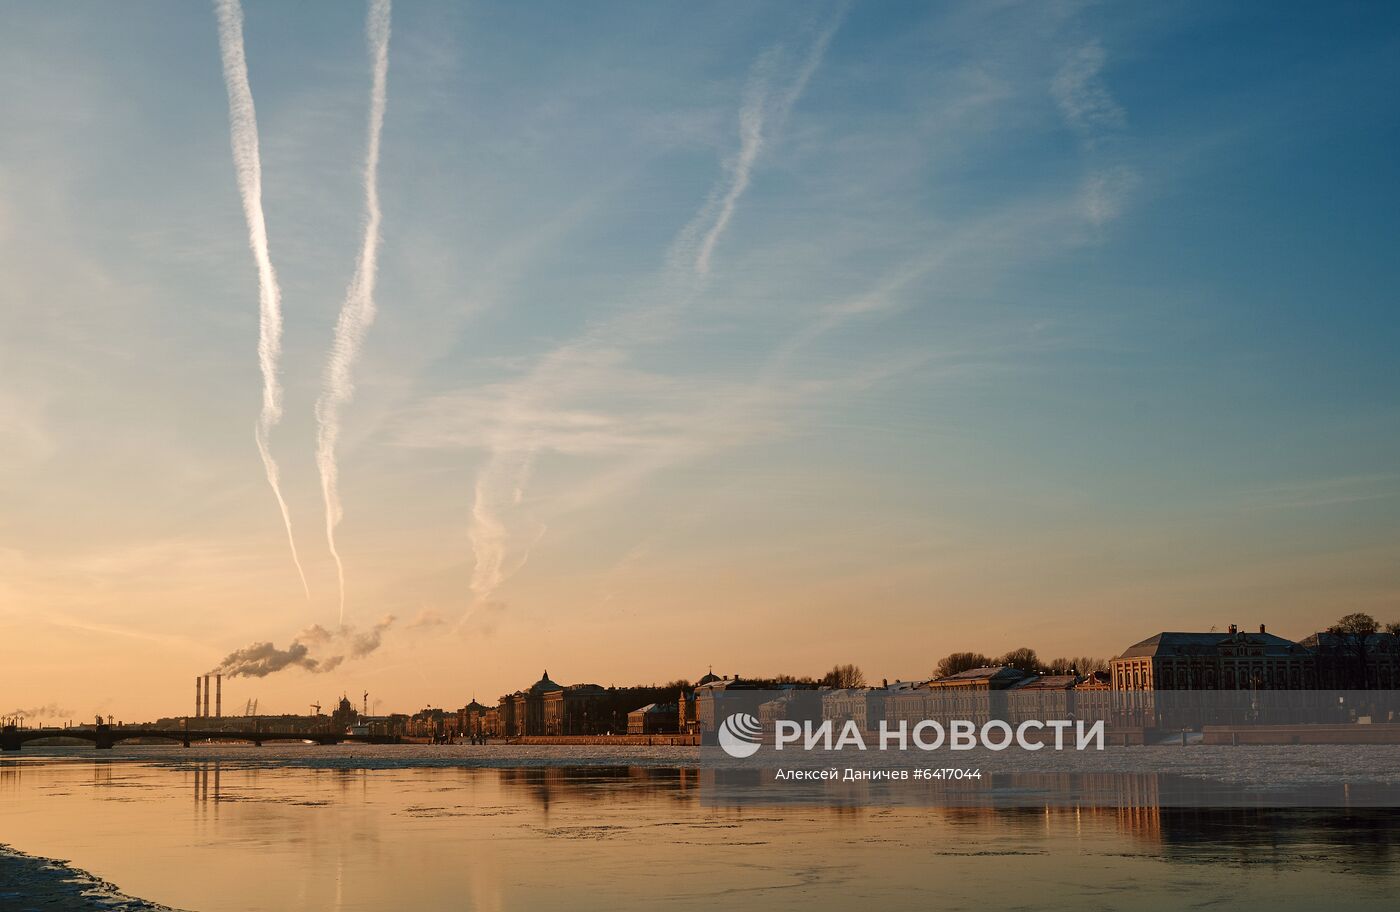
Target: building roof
735,683
544,684
1048,682
1187,644
988,672
857,693
656,709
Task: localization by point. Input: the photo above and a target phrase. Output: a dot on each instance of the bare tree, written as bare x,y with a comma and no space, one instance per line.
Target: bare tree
959,662
1355,631
1087,665
1081,665
1024,659
841,677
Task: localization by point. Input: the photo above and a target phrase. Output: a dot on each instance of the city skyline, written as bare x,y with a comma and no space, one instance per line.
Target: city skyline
245,688
771,336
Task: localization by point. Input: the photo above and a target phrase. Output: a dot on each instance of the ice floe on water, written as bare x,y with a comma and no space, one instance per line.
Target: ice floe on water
29,883
1273,765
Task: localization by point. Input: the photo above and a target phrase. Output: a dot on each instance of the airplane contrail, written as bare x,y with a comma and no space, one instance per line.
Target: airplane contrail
759,106
773,89
357,313
247,163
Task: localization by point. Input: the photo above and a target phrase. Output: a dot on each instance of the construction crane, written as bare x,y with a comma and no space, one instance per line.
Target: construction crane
316,708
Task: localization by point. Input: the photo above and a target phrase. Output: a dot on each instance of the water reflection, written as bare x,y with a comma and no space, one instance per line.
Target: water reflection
599,783
626,837
1248,834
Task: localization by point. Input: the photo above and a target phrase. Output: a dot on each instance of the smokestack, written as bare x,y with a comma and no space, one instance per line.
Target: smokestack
196,696
218,696
1261,628
206,696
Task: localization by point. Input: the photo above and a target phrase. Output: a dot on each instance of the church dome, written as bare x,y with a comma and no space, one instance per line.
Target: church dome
544,684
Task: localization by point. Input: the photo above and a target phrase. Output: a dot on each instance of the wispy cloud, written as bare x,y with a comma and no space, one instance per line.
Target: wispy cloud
1083,96
642,422
247,162
499,547
109,629
1089,108
1323,492
728,414
426,619
358,311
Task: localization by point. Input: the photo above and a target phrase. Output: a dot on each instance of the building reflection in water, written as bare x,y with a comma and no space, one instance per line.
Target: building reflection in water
208,790
9,779
1144,808
600,783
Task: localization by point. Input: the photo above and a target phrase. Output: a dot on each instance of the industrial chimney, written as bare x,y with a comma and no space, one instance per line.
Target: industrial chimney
196,696
218,696
206,696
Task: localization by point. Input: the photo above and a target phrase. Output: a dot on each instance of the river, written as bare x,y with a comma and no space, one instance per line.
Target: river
233,829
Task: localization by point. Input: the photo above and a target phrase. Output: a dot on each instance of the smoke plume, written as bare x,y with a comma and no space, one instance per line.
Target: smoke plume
262,659
315,649
357,313
247,164
47,711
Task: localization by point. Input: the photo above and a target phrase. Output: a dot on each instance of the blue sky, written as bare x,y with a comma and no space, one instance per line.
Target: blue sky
708,325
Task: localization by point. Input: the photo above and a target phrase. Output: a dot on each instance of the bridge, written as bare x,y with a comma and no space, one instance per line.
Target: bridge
104,737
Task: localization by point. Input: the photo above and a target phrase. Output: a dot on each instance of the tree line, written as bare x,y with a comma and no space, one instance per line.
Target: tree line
1023,658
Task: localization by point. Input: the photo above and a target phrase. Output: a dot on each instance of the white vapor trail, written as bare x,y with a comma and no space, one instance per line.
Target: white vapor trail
759,105
357,313
750,143
775,84
247,163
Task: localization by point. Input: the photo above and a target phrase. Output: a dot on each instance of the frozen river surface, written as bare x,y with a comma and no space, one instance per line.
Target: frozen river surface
361,828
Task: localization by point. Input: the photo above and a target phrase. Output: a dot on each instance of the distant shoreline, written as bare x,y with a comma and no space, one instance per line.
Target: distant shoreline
29,882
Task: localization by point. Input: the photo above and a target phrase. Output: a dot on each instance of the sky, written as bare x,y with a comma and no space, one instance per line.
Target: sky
761,336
